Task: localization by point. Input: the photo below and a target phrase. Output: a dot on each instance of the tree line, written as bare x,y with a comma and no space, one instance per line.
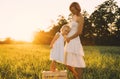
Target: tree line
102,27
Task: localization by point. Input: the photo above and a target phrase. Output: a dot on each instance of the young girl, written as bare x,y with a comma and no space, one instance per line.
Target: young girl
57,47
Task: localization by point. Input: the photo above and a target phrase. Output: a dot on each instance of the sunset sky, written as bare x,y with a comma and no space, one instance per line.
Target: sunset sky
20,18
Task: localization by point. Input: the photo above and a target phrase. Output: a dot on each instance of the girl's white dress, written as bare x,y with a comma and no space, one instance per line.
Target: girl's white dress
73,50
57,52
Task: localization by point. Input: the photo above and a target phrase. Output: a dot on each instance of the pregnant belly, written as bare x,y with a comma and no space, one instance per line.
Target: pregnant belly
71,33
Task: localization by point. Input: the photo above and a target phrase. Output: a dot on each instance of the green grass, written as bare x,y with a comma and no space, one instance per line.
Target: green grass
28,61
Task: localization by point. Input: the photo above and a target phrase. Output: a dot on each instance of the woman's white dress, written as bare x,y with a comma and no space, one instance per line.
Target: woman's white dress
73,50
57,52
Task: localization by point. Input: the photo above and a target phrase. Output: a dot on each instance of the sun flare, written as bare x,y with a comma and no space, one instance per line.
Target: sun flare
21,35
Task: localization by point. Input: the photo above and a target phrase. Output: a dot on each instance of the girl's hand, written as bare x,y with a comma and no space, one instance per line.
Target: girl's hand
51,46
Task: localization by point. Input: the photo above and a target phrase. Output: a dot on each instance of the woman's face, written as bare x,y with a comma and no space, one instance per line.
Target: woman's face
73,10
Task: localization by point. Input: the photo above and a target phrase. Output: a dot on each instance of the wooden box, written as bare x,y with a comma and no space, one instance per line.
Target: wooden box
54,75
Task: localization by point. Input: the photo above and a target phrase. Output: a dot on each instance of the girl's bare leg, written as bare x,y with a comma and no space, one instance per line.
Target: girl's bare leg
52,66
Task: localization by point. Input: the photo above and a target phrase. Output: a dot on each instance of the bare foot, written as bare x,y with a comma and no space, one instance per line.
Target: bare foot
52,68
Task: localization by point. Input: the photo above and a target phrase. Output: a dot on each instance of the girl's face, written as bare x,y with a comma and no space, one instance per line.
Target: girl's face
65,31
73,10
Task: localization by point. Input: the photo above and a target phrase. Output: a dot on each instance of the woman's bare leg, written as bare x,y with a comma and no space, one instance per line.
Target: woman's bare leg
80,72
72,69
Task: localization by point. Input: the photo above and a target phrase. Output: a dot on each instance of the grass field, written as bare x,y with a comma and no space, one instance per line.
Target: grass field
28,61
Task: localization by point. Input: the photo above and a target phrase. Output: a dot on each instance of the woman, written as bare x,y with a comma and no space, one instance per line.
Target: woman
73,49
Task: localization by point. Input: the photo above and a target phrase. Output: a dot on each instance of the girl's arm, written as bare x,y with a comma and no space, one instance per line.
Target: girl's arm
54,39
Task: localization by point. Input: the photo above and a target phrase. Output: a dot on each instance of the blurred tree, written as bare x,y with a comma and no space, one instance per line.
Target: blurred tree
43,37
103,21
8,40
56,27
118,24
86,37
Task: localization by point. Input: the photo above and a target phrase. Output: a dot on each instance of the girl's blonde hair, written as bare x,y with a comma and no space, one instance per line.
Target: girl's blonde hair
66,25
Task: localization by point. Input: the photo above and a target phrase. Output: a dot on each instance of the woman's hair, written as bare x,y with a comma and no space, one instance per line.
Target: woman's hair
76,6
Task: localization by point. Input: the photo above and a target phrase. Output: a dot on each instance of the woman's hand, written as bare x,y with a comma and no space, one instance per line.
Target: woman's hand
67,39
